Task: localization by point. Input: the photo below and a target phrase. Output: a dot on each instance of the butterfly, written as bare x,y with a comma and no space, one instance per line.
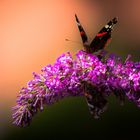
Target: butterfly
96,101
100,40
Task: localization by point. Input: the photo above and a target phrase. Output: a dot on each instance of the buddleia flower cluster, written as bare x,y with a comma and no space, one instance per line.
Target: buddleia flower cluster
87,74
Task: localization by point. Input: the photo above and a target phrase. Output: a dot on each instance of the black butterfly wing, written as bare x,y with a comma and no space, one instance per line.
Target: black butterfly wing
82,32
104,35
96,100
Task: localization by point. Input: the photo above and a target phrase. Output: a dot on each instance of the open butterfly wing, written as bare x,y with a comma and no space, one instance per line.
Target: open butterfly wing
82,32
96,100
103,37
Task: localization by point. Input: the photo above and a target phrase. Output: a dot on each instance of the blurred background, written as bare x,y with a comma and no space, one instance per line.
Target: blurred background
32,35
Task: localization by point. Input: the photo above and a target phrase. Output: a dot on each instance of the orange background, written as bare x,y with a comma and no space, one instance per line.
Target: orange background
33,32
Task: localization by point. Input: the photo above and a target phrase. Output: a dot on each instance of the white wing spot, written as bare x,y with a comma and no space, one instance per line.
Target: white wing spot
78,24
106,26
90,105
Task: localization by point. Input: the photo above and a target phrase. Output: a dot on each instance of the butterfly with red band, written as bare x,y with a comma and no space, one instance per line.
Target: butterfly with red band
96,102
100,40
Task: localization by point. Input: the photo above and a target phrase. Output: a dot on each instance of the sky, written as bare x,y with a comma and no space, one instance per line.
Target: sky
33,33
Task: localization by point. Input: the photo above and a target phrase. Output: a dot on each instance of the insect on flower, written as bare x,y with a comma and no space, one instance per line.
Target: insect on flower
100,40
98,43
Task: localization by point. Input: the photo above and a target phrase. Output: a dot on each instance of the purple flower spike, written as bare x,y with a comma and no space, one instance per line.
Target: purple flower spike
88,75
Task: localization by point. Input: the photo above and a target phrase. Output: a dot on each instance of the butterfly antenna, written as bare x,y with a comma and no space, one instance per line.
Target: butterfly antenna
73,41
